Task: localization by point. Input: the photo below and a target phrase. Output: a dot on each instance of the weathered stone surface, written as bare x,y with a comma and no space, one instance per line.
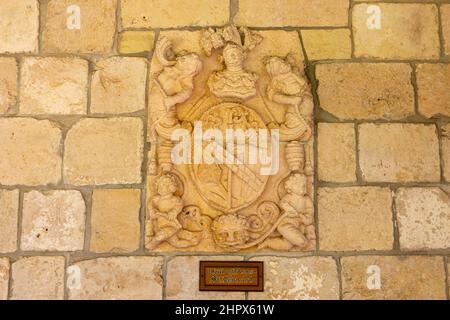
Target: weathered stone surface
327,44
445,20
402,277
118,85
336,152
182,287
131,42
8,85
30,152
38,278
282,13
355,218
9,210
445,141
309,278
53,86
361,90
408,31
399,152
131,278
4,278
115,223
423,216
104,151
433,81
96,32
53,221
19,22
177,13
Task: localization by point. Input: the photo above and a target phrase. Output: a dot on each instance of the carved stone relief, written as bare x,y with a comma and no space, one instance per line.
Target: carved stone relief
210,82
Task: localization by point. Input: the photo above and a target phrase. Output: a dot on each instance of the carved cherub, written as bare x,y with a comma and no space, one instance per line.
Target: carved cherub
290,88
164,209
175,84
297,227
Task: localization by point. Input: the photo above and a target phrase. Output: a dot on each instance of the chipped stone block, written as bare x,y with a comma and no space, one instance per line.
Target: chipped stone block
53,221
8,85
399,152
433,81
357,91
423,218
308,278
355,218
393,278
38,278
119,278
104,151
53,86
134,42
9,211
327,44
30,150
115,225
19,25
118,85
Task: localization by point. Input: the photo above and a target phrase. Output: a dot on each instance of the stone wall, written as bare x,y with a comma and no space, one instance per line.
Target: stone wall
74,154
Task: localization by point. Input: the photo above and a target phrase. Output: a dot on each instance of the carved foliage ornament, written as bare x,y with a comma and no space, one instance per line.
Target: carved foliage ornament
221,199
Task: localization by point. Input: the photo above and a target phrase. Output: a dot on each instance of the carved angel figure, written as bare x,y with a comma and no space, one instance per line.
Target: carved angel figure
289,88
176,85
233,81
297,226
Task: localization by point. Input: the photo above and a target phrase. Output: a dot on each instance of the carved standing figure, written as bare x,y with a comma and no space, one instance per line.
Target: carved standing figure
175,84
297,227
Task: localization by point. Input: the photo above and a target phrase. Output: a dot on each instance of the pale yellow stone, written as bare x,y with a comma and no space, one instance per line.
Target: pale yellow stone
355,218
4,278
136,42
327,44
282,13
402,277
183,279
408,31
9,210
366,90
19,25
30,152
8,85
445,20
433,83
96,33
38,278
119,278
399,152
308,278
118,85
53,86
53,221
104,151
423,216
336,152
115,223
445,141
174,13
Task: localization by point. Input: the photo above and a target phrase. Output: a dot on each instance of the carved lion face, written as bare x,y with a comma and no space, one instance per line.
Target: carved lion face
230,230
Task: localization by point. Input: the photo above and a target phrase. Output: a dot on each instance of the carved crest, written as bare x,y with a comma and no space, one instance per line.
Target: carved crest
204,101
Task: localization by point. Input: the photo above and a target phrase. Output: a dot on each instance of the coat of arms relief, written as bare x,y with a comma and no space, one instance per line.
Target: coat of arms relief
230,165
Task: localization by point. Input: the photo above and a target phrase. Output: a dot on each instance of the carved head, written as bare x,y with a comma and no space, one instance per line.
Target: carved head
189,64
233,55
167,184
276,66
191,219
296,184
230,230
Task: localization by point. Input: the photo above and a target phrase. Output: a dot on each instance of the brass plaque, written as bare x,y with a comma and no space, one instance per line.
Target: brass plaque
231,276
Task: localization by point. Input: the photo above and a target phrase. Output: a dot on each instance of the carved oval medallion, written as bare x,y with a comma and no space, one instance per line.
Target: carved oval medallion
231,185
